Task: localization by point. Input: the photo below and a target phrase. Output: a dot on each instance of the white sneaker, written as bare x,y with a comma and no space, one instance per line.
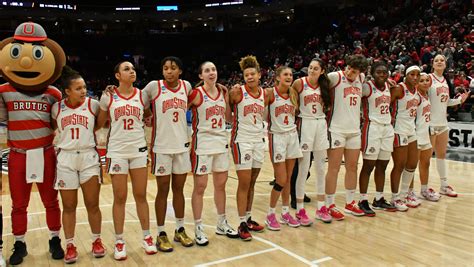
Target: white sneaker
224,228
400,205
120,252
149,245
448,191
200,236
430,194
411,200
2,261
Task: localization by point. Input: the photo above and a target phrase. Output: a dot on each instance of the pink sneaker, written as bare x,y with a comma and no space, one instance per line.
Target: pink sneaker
288,219
272,222
303,218
323,215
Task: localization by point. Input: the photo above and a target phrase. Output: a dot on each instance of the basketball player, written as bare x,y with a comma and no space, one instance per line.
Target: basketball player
313,101
284,146
440,100
247,141
127,153
78,163
405,151
377,137
209,149
170,157
423,114
344,132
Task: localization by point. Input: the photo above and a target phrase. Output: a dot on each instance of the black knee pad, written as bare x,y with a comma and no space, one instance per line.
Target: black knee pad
277,187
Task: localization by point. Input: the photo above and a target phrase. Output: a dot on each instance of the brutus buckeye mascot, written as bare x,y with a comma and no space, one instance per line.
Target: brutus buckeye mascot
30,62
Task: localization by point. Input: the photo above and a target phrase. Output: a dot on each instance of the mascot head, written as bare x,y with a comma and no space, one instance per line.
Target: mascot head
29,60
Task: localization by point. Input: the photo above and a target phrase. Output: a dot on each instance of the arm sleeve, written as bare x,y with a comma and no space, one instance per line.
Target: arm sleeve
145,99
333,79
104,102
454,102
365,89
54,110
95,107
151,90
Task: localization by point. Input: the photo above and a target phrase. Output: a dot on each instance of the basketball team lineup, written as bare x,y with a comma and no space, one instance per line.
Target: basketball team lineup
325,120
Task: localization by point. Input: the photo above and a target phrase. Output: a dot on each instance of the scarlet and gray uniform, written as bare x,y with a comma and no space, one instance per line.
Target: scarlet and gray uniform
377,132
344,117
209,150
29,128
423,118
403,117
438,95
282,134
78,159
247,141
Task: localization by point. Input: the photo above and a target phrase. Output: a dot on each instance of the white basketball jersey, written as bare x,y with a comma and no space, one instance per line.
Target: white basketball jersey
404,112
76,125
423,114
209,134
248,117
281,115
170,132
311,102
376,106
126,138
344,116
438,94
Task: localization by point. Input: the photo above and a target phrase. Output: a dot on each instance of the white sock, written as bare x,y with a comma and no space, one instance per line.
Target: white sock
320,204
53,234
299,206
407,177
395,196
271,211
220,218
248,215
146,233
444,182
424,187
118,237
161,228
243,219
349,196
179,223
329,199
20,238
70,241
95,236
285,209
197,223
378,195
364,196
441,167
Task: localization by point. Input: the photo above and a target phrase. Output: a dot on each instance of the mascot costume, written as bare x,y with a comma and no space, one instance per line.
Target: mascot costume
30,63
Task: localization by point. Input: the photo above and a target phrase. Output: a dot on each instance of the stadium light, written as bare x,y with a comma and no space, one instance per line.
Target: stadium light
127,8
166,8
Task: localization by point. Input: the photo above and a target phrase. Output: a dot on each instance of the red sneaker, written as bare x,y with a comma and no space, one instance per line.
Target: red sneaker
352,208
254,226
244,233
335,213
71,254
98,249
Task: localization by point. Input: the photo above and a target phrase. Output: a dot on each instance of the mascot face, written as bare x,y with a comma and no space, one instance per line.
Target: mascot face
30,61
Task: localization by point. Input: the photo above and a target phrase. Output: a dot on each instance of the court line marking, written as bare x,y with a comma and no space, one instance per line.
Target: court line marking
236,257
260,239
322,260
